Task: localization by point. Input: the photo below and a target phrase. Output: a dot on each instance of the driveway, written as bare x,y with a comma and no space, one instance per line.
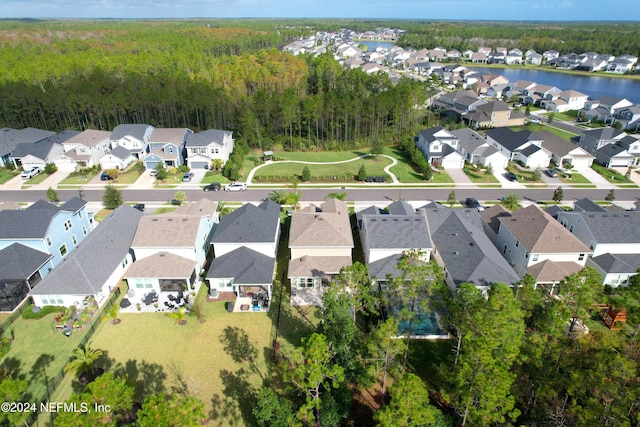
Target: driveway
52,181
198,175
458,176
14,183
144,181
499,174
596,179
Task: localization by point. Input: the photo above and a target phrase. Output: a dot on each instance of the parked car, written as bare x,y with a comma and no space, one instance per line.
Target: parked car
139,206
214,186
474,204
187,177
153,172
105,177
552,173
30,173
236,186
535,120
511,176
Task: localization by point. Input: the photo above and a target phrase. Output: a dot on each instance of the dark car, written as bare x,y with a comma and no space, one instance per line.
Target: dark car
105,177
214,186
473,203
187,177
511,176
139,206
552,173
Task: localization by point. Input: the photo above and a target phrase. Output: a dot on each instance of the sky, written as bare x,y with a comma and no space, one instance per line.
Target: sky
509,10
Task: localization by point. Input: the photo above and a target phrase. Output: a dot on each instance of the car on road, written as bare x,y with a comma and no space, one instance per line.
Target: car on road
139,206
511,176
105,177
30,173
236,186
552,173
187,177
214,186
474,204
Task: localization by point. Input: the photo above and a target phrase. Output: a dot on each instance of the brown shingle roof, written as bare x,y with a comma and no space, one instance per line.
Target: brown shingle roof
538,232
331,227
162,265
173,135
552,272
491,214
316,266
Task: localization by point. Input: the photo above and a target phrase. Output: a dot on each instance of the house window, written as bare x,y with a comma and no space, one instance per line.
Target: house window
59,299
504,250
592,245
571,227
214,151
124,263
535,257
139,284
526,255
67,225
49,242
517,244
74,239
203,150
84,230
305,282
80,214
63,250
581,257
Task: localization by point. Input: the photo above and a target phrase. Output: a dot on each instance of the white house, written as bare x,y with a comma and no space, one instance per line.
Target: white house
208,145
118,158
134,138
84,149
440,147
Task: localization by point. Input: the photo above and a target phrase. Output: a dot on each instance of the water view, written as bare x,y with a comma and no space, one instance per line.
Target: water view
373,45
594,86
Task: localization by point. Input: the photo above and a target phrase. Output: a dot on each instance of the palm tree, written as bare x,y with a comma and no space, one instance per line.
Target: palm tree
511,201
278,196
293,199
223,209
179,316
339,196
112,314
83,361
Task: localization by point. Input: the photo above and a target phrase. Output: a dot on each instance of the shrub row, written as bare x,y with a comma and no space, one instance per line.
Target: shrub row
28,312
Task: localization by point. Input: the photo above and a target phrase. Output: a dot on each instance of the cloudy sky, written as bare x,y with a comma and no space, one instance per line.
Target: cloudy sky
513,10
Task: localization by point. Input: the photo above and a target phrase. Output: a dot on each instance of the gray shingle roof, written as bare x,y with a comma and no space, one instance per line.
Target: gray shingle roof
94,260
137,131
607,227
10,138
396,231
617,263
587,205
401,207
603,133
17,262
73,205
246,266
249,224
469,139
384,267
207,137
509,139
30,223
467,253
41,149
120,152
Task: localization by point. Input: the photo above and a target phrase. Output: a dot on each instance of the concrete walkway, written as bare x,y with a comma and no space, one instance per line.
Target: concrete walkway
394,162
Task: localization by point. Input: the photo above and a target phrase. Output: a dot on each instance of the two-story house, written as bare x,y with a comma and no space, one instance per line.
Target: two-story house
321,243
45,227
478,151
440,147
494,114
529,237
204,147
166,145
522,146
84,149
245,244
11,138
593,139
629,118
134,138
565,101
464,250
97,265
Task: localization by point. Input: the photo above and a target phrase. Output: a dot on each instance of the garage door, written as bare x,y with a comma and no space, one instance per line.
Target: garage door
199,165
151,165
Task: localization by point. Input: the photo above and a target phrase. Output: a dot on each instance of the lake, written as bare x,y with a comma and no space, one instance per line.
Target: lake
594,86
373,45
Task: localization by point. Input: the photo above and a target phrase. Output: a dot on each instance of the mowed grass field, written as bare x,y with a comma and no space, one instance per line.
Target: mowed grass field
374,166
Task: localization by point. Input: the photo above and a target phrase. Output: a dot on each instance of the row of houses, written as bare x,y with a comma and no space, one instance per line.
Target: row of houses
71,150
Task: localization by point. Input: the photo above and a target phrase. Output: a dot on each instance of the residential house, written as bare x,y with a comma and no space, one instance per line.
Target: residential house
134,138
565,101
47,228
494,79
604,232
166,145
629,118
615,269
564,152
479,58
532,57
21,269
522,146
478,151
11,138
38,154
550,55
494,114
244,272
440,147
207,146
320,241
538,93
513,58
604,108
256,227
83,150
185,232
496,57
97,265
463,250
614,155
530,236
387,233
620,66
118,158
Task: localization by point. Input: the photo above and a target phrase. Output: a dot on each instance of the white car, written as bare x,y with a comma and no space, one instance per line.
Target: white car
30,173
236,186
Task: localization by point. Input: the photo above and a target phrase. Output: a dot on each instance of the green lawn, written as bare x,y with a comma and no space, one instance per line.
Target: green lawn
39,350
611,175
210,177
567,117
523,175
321,156
36,179
6,175
479,177
129,176
573,178
403,170
374,166
79,179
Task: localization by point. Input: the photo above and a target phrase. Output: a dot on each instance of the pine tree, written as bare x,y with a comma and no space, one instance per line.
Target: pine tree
306,174
558,195
362,173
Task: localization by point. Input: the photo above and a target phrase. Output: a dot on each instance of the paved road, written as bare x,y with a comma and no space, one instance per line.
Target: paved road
318,194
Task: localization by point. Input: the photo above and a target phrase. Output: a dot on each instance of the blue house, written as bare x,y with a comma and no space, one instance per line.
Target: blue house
166,146
46,227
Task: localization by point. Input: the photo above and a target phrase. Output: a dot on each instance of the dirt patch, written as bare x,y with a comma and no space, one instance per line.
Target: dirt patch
364,404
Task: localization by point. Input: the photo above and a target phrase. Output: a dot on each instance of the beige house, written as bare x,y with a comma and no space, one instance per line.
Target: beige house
494,114
321,243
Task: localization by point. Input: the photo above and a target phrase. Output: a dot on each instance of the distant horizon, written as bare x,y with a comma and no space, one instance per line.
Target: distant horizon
424,10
